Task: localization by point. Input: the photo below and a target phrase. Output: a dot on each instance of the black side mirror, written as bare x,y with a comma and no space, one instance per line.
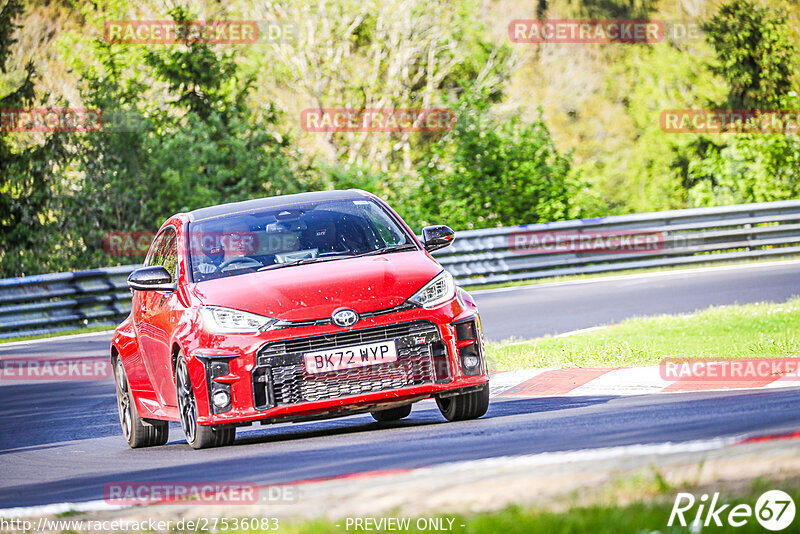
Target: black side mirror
436,237
155,278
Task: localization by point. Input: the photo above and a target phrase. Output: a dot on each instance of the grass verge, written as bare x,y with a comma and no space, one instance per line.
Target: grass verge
61,333
764,330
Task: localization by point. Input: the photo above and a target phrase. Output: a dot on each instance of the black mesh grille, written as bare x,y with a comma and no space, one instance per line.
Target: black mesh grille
280,365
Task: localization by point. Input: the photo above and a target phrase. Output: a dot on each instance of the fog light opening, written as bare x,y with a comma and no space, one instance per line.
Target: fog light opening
221,399
471,361
468,343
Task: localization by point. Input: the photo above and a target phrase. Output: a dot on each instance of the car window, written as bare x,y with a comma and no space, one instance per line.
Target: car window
312,231
164,251
169,258
154,254
389,233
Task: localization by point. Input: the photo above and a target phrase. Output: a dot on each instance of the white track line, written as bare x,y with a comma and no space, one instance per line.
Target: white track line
521,462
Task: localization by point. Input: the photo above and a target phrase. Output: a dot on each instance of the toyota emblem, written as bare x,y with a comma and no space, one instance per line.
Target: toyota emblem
344,317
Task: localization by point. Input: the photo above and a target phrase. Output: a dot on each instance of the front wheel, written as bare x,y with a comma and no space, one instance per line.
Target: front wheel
465,406
138,432
197,436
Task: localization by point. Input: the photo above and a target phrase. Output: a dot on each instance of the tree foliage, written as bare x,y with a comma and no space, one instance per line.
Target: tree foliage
29,166
759,60
201,145
194,124
756,54
494,171
383,54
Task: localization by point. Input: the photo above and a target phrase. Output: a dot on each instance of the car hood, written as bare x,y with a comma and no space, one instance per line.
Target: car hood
315,290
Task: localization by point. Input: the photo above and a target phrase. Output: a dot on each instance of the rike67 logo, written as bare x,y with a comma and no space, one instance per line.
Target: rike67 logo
774,510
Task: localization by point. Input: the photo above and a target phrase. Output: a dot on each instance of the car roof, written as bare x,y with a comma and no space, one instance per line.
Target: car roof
286,201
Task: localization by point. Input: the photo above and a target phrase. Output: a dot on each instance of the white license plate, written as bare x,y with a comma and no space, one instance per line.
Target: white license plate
342,358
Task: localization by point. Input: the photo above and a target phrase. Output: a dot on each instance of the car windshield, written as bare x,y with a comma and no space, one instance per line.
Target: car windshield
282,237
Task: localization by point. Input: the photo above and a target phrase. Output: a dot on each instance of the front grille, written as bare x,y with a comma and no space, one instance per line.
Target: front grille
280,377
327,320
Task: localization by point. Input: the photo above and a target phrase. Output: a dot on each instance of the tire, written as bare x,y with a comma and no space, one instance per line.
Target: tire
137,432
197,436
392,414
465,406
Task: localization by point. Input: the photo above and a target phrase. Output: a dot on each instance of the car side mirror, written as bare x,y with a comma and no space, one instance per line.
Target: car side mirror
436,237
155,278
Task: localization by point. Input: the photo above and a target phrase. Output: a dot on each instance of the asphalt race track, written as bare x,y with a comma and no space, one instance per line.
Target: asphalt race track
60,441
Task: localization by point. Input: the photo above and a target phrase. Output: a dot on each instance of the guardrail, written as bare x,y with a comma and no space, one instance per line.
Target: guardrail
63,301
50,303
682,237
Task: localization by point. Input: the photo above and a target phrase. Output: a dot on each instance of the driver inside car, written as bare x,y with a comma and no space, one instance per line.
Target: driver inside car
234,241
212,258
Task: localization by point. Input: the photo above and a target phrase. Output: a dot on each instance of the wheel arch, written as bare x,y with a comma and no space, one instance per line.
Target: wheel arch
176,350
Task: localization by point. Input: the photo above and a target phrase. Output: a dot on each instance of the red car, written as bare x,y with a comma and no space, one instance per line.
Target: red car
293,308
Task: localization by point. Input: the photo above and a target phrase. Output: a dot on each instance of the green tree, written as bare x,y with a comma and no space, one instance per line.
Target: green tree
644,171
759,60
29,165
495,172
204,146
756,53
381,54
747,168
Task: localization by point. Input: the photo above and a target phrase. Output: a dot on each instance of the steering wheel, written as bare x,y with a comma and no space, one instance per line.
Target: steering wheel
239,259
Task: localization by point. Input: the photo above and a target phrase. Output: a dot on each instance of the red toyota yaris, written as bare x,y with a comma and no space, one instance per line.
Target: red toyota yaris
293,308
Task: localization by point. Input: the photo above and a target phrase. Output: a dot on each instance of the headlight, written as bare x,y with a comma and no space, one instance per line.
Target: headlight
438,291
228,321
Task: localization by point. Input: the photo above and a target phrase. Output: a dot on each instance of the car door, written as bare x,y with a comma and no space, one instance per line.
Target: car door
156,320
141,379
142,301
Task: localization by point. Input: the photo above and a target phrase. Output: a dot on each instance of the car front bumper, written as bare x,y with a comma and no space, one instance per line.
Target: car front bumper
266,381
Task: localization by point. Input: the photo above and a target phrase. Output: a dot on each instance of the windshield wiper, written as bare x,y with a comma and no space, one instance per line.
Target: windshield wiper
291,263
387,250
